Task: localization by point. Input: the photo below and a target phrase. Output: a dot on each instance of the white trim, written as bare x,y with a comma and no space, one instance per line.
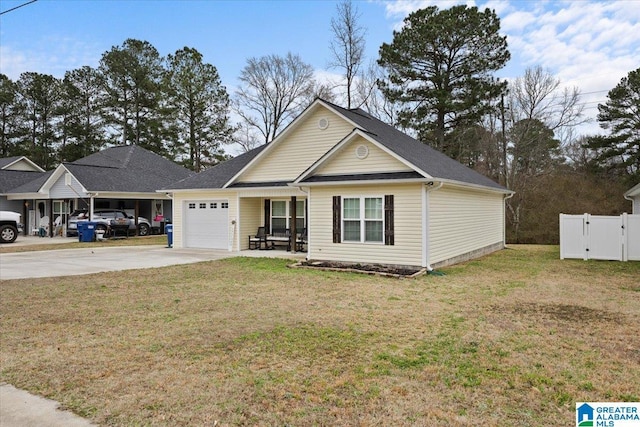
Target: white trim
346,140
257,191
362,182
361,219
633,191
282,135
56,175
238,224
118,195
21,158
461,184
308,257
287,209
425,227
425,223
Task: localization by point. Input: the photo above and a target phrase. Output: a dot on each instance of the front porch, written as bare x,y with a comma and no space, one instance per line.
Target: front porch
273,221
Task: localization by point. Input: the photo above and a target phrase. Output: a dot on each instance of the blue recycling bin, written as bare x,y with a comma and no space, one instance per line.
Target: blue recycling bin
81,227
168,229
88,232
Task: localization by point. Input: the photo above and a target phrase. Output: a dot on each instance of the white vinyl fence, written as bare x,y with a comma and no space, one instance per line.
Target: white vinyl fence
600,237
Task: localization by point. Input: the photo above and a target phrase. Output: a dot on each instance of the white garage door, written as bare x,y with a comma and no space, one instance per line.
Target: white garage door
206,224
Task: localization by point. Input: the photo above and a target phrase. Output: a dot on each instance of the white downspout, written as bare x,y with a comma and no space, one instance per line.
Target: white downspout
504,219
425,222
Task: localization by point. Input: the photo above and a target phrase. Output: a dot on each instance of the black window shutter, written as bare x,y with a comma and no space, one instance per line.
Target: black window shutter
388,220
337,221
267,215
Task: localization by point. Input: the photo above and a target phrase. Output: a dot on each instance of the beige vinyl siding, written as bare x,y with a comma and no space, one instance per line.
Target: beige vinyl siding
463,220
346,162
178,215
300,149
407,249
251,217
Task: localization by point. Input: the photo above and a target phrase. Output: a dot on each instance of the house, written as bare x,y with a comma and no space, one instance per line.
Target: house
633,195
15,172
364,191
121,177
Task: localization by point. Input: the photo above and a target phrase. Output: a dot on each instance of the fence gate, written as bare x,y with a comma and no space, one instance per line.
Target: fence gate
600,237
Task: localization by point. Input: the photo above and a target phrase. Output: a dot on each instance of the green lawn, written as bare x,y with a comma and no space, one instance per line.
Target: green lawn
512,339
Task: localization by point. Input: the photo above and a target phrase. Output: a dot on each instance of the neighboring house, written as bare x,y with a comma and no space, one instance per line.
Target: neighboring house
15,172
122,177
365,192
633,195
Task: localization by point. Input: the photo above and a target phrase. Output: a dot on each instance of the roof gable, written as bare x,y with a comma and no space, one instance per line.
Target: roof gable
633,191
346,159
19,163
264,165
306,139
425,158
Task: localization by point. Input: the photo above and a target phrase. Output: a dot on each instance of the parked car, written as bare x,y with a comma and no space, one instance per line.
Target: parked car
104,218
10,226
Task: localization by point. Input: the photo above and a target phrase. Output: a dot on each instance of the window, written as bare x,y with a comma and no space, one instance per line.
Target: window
192,205
278,215
203,206
280,218
224,205
60,207
213,205
362,219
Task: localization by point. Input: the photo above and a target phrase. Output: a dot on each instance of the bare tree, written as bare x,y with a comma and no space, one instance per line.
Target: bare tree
541,117
274,90
536,95
246,137
348,45
373,100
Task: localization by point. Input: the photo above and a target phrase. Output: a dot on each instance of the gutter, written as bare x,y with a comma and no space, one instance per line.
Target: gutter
425,221
504,218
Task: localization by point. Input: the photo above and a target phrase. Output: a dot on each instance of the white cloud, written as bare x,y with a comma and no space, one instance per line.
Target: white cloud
12,63
53,56
517,20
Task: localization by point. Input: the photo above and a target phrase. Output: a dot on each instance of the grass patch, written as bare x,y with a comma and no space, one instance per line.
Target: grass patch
515,338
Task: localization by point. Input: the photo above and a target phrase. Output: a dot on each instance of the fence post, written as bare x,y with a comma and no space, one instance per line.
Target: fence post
586,237
625,236
561,236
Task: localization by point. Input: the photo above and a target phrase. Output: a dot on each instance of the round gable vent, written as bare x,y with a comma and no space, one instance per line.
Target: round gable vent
362,151
323,123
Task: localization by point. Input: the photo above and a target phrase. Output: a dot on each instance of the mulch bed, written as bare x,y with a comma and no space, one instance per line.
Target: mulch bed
377,269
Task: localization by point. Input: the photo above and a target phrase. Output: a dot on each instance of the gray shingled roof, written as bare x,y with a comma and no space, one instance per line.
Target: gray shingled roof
424,157
21,181
127,168
8,160
219,175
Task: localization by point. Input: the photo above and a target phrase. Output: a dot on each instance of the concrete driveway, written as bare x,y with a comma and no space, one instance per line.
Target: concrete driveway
68,262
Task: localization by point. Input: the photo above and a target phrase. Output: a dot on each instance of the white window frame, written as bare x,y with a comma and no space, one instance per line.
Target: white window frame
287,213
361,219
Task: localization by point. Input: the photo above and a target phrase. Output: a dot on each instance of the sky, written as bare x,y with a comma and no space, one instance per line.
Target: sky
588,44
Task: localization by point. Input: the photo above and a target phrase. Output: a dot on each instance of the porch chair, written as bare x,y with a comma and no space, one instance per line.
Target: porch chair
255,241
301,240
